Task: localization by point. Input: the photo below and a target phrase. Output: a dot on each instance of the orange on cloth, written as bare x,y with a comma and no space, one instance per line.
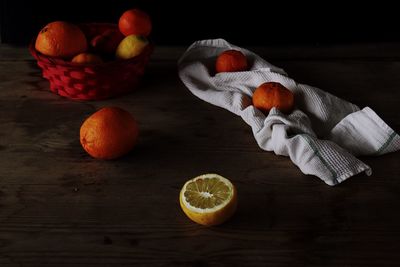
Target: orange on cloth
230,61
273,94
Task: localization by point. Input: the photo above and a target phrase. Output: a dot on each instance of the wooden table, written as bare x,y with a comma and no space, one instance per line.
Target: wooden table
60,207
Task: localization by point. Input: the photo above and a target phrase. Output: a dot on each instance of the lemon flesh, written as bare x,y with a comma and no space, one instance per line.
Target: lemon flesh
209,199
207,193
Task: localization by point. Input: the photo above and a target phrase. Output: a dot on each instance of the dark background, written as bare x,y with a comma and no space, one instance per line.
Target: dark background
243,23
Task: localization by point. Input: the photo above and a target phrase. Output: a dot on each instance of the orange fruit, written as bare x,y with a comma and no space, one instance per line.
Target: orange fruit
87,58
273,94
107,41
109,133
208,199
61,39
230,61
135,21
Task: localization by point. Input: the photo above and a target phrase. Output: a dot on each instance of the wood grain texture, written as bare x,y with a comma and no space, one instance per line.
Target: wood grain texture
59,207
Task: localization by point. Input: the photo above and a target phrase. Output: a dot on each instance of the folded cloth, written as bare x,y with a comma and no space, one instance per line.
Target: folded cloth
321,136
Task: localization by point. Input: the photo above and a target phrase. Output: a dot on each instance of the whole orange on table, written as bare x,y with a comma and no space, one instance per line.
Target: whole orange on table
231,61
61,39
135,21
109,133
273,94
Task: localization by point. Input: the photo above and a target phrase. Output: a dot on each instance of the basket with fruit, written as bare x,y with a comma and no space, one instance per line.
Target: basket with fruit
96,60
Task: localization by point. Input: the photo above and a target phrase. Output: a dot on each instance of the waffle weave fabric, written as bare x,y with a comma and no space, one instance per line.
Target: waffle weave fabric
322,136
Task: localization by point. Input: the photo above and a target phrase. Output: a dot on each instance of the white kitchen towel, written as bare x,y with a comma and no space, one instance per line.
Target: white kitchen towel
321,136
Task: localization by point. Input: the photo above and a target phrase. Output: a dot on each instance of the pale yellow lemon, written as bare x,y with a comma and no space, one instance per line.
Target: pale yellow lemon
131,46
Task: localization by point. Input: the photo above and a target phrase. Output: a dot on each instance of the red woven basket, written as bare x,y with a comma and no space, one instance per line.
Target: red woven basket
92,81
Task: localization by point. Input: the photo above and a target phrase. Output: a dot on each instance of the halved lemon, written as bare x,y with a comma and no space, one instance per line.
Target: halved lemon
208,199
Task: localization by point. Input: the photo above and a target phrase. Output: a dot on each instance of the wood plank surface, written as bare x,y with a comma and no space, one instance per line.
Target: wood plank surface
60,207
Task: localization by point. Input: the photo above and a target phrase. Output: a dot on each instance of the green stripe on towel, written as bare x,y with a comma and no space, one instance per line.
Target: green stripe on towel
318,154
386,144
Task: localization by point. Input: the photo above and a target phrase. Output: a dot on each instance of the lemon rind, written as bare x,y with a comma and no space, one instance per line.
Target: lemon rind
208,210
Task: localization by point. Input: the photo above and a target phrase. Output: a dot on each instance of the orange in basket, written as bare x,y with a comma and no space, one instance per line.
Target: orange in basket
86,58
92,81
61,39
135,21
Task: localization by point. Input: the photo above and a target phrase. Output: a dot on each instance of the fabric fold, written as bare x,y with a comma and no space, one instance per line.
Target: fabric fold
321,136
